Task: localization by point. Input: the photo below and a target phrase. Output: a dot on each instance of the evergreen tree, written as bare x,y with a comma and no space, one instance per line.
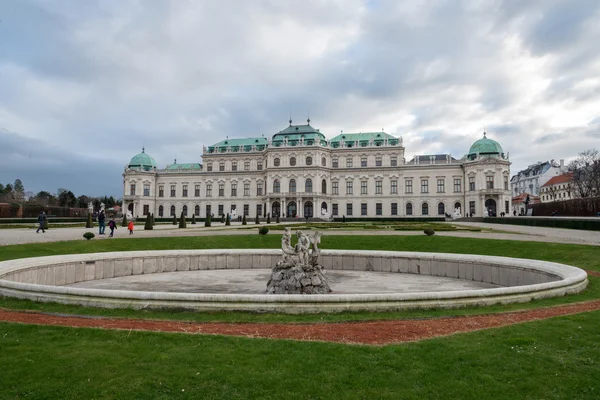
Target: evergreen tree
193,219
148,225
228,220
46,222
153,220
222,218
124,223
277,218
89,223
207,220
174,220
268,218
257,221
244,220
182,221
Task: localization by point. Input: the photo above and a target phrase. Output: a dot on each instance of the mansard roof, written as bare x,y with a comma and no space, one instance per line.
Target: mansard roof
363,139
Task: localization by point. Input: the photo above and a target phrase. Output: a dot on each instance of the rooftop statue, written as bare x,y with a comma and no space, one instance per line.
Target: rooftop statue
299,272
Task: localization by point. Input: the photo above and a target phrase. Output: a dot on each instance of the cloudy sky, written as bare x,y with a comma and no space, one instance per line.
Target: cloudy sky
84,84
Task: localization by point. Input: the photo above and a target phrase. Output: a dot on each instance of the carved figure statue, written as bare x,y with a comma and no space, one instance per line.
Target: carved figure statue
102,206
91,207
299,271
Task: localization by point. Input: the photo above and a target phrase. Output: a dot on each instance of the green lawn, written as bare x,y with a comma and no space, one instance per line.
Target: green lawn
551,359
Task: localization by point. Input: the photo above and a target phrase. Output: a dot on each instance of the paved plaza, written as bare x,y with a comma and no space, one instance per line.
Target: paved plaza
496,231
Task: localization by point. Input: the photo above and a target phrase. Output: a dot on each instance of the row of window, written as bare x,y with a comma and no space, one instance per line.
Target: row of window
307,161
308,187
409,209
208,210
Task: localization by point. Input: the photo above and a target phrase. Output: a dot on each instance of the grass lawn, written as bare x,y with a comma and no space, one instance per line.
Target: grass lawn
551,359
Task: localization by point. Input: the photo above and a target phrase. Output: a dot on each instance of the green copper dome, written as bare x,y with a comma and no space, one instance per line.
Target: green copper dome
143,161
485,146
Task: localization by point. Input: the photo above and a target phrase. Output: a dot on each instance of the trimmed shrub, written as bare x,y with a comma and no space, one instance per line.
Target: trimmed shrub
174,220
244,221
257,220
89,235
148,224
89,223
193,219
268,218
429,231
277,218
207,220
263,230
153,220
182,221
344,218
222,218
46,223
228,219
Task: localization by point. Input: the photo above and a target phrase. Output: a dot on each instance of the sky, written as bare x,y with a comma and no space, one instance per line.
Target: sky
84,85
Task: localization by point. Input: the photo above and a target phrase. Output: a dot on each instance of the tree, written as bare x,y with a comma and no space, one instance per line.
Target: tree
182,221
1,189
207,222
82,201
124,222
268,218
257,221
244,222
19,190
66,198
586,173
228,220
44,198
193,219
174,220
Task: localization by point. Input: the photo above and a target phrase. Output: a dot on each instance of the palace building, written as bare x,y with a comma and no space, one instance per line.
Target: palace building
299,173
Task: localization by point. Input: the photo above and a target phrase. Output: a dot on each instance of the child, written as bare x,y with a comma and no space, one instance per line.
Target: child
112,225
130,227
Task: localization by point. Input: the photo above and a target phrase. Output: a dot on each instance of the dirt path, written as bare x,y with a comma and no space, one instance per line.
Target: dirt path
369,332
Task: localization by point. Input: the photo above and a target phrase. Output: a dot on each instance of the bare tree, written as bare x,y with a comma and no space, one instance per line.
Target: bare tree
586,173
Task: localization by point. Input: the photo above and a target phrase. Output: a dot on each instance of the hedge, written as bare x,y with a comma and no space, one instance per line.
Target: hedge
554,222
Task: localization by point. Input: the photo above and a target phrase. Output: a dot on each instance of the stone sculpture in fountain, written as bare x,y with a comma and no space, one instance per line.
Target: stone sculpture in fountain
299,272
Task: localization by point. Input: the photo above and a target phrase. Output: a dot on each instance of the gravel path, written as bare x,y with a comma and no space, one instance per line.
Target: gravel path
520,233
368,332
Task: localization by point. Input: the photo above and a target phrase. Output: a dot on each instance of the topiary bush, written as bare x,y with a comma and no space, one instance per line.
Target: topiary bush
153,220
228,219
244,220
89,223
89,235
429,231
193,219
277,218
207,222
268,218
257,220
148,224
46,223
182,221
222,218
174,220
263,230
123,223
343,218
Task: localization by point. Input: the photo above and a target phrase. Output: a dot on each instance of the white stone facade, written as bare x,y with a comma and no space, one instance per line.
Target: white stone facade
530,180
322,180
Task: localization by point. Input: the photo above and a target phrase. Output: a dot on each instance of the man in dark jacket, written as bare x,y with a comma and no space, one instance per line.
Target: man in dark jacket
101,226
41,221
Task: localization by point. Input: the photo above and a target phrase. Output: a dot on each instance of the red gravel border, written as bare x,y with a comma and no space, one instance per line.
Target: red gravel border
368,332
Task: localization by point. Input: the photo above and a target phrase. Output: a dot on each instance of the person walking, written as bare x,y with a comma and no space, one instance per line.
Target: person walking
101,219
130,227
112,225
41,222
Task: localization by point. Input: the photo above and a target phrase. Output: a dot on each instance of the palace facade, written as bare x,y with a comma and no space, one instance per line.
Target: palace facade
299,173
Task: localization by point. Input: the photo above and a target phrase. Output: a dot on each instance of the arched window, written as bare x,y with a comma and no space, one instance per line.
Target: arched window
409,209
292,186
324,162
309,160
172,210
441,209
276,162
292,161
161,210
276,186
308,186
425,209
324,186
184,211
197,210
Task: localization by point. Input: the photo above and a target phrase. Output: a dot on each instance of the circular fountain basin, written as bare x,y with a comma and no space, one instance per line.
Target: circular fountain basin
231,280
